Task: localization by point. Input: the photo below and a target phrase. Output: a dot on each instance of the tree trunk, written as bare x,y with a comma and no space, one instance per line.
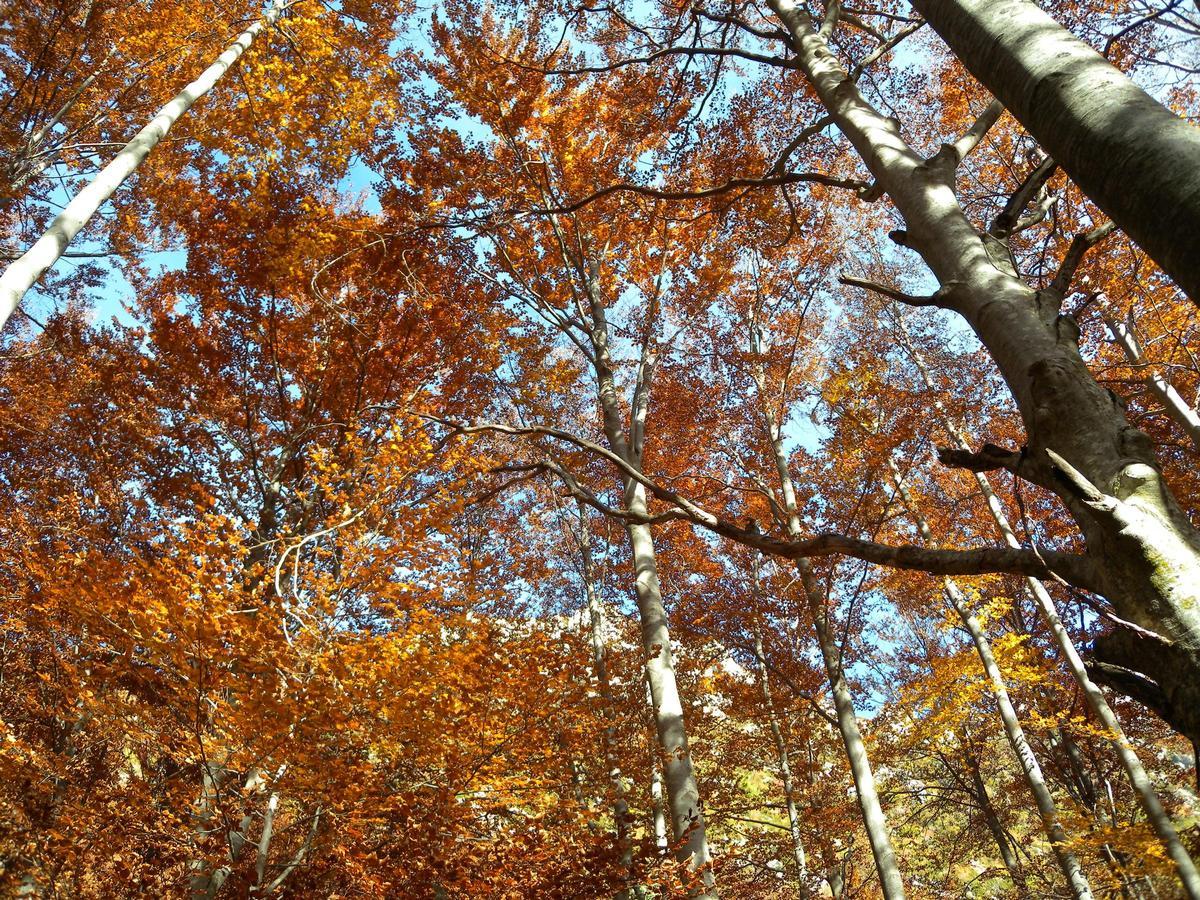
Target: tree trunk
19,277
874,820
785,767
1137,160
683,794
1032,771
1185,720
1143,553
1124,336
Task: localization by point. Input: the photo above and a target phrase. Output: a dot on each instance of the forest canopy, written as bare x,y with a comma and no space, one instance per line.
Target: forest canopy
553,449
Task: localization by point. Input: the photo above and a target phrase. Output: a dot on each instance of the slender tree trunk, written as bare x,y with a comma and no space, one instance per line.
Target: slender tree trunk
1032,771
1190,719
878,833
781,753
683,793
22,274
992,819
874,820
600,670
1124,336
1135,158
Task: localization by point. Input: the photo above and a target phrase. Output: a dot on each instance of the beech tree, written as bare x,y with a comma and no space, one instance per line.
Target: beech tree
624,451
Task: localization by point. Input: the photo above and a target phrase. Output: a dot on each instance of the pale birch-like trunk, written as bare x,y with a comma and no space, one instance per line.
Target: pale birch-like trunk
600,670
1137,160
1030,768
24,272
1143,554
1138,777
874,820
682,790
785,766
1125,337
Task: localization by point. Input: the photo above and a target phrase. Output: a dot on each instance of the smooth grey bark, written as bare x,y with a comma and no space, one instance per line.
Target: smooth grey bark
682,790
1137,160
23,273
1142,552
874,819
1030,768
1130,762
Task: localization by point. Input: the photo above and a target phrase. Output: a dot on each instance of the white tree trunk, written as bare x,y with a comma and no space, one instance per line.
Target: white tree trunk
1138,777
24,272
874,819
1135,158
1124,336
1032,771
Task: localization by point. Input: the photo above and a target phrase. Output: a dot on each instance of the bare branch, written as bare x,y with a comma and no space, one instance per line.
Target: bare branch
1080,245
732,184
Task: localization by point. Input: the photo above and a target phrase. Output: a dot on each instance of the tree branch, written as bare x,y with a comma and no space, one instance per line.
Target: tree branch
732,184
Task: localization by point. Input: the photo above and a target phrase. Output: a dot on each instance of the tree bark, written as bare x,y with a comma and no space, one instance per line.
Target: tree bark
1142,550
1124,336
22,274
1137,160
1030,768
1187,720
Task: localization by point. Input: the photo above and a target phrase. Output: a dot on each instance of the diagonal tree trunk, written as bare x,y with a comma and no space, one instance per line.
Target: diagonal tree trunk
1125,337
1030,768
1135,158
1143,552
22,274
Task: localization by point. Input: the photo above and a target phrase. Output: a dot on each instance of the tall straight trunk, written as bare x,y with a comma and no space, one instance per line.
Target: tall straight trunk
1143,787
683,793
1137,160
785,766
1124,336
874,820
628,442
620,805
1030,768
995,827
23,273
1142,552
